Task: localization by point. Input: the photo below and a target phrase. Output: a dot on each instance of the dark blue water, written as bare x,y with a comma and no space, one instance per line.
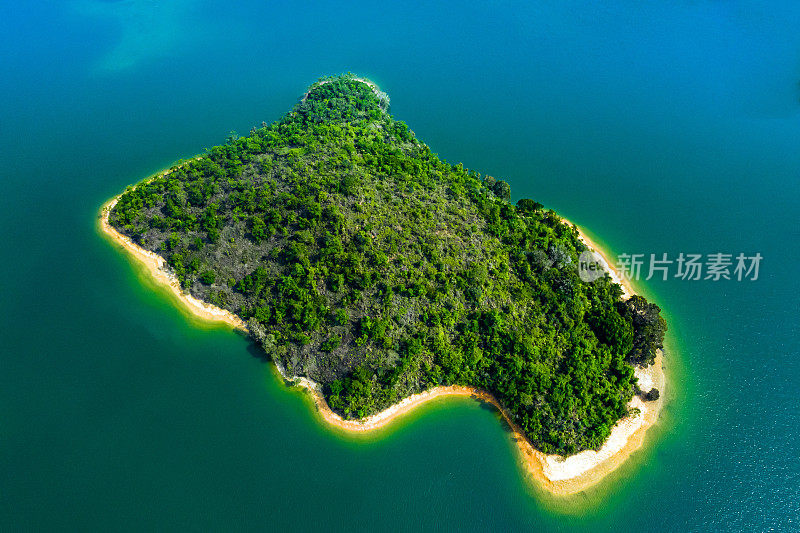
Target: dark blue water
662,127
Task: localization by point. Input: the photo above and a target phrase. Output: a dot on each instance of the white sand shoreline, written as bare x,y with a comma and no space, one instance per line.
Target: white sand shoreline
558,475
156,266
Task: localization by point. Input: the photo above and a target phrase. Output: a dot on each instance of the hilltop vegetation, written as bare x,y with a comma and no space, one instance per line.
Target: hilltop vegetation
363,261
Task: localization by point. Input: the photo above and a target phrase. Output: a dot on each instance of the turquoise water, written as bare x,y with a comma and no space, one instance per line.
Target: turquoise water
660,126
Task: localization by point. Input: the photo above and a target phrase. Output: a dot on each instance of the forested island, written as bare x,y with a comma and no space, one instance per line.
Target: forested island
362,261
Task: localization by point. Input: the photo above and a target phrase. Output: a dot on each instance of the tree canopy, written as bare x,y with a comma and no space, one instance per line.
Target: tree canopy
362,260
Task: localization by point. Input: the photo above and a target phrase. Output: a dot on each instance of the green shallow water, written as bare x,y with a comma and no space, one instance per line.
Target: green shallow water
660,128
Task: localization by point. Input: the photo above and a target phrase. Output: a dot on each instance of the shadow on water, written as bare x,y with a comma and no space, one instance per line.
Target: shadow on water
255,350
488,406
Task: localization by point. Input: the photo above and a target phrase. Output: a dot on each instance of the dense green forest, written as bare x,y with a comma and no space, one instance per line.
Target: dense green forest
363,261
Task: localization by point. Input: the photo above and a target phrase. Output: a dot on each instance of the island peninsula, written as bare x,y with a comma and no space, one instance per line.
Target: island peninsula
379,276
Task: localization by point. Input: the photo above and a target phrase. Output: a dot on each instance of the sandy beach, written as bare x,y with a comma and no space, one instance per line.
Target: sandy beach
625,283
556,474
559,475
156,266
